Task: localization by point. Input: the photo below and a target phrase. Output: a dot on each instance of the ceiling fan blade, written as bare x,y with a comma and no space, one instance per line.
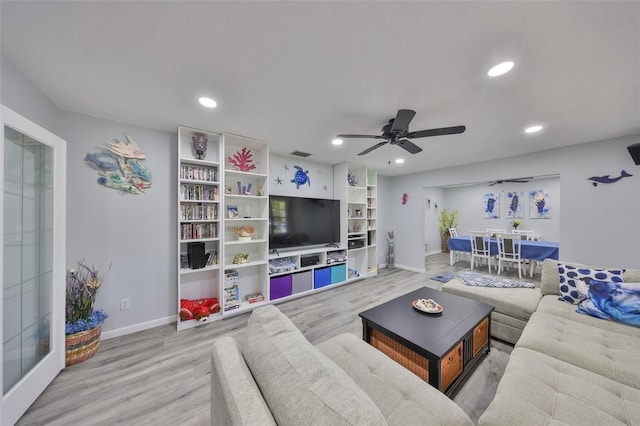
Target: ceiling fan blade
361,136
368,150
437,132
402,120
409,146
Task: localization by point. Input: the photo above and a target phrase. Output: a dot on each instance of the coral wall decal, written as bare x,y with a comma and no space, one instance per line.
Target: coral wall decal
242,160
120,166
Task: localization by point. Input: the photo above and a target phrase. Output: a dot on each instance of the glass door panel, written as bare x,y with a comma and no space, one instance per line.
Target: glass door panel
27,263
33,262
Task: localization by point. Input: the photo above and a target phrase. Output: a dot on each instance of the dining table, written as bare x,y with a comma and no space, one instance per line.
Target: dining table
529,249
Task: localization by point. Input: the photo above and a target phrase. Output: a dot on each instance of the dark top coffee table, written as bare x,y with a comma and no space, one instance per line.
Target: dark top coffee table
440,348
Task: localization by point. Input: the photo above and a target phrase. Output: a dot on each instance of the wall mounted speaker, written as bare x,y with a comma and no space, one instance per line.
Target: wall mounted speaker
634,150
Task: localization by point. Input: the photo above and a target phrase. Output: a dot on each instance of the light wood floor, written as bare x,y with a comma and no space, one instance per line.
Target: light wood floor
161,377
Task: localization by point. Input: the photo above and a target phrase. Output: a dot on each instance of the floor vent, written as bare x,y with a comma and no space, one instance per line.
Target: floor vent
300,154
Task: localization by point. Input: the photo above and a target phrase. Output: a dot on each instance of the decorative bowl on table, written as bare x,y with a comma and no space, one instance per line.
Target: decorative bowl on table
428,306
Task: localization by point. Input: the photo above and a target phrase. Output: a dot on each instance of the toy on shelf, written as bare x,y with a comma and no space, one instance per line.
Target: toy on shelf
198,309
241,258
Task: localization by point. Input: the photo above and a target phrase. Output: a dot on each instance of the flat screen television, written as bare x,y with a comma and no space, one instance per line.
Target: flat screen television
298,222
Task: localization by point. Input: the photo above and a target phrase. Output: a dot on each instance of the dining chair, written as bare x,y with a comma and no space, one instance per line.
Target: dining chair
529,235
493,231
454,254
509,251
480,248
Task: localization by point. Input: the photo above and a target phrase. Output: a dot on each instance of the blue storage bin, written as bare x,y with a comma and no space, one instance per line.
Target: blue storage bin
321,277
338,273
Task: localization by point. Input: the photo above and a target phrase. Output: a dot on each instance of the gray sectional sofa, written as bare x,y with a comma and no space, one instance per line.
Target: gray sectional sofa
275,376
566,367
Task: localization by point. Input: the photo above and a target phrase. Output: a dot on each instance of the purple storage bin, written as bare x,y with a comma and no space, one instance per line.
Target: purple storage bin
280,287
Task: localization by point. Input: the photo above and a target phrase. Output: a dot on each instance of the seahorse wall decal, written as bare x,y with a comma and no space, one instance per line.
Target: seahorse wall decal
405,198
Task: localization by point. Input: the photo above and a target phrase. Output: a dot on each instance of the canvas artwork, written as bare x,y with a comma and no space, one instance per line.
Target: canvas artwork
515,205
539,204
491,205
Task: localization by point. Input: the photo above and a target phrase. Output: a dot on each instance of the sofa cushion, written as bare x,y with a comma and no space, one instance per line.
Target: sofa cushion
299,383
516,302
610,354
538,389
550,283
616,300
402,397
235,397
551,305
575,281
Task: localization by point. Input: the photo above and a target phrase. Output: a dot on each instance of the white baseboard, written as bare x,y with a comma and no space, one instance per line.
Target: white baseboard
410,268
429,253
137,327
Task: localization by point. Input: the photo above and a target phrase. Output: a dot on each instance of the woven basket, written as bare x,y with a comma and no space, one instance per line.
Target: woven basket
81,346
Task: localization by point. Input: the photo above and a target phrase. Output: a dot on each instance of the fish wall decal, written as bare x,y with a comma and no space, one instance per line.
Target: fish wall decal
595,180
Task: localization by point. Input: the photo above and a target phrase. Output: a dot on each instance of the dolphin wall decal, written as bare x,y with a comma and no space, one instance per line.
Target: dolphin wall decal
595,180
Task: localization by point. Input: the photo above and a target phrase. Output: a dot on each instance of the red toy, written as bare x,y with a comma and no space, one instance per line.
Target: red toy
198,309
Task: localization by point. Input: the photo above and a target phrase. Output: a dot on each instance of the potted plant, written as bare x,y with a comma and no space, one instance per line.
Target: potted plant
83,323
515,223
447,220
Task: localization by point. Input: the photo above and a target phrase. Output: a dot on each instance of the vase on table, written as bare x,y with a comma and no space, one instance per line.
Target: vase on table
82,345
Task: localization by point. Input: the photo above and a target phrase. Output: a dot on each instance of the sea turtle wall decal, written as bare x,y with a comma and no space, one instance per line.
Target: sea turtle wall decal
301,177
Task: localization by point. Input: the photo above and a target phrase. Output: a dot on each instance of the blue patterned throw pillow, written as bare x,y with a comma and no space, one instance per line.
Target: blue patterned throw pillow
617,300
574,287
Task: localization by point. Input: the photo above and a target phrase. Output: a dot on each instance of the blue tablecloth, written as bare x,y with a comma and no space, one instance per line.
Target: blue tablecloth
536,250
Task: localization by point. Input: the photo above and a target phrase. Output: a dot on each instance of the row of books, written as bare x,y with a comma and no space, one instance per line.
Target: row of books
206,174
198,212
194,231
199,192
231,291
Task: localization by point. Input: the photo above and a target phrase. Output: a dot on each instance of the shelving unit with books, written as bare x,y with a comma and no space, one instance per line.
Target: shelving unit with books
356,186
199,195
245,234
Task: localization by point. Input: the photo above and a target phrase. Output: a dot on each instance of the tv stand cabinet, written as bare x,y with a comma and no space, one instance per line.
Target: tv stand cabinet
300,272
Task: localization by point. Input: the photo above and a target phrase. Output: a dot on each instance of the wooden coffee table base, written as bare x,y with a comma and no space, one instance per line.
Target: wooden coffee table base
442,368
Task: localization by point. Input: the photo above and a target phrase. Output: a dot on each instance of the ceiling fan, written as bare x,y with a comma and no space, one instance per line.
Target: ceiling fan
517,180
396,132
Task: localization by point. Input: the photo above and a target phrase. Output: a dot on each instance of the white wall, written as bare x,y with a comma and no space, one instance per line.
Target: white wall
137,232
468,201
433,201
598,225
23,97
283,168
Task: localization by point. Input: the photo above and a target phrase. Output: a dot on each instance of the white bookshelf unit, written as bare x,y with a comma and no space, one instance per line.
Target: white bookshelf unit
356,186
199,222
246,220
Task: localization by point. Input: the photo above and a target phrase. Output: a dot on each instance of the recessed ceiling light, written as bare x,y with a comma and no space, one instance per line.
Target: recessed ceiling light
337,141
500,69
533,129
208,102
399,160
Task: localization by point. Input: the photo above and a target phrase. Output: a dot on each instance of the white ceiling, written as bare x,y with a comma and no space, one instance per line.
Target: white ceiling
295,74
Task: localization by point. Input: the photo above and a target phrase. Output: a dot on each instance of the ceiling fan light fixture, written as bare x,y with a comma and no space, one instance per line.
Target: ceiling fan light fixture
337,141
533,129
207,102
500,69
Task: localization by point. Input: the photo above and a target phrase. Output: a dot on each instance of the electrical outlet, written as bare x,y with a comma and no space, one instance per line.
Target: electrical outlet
124,304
